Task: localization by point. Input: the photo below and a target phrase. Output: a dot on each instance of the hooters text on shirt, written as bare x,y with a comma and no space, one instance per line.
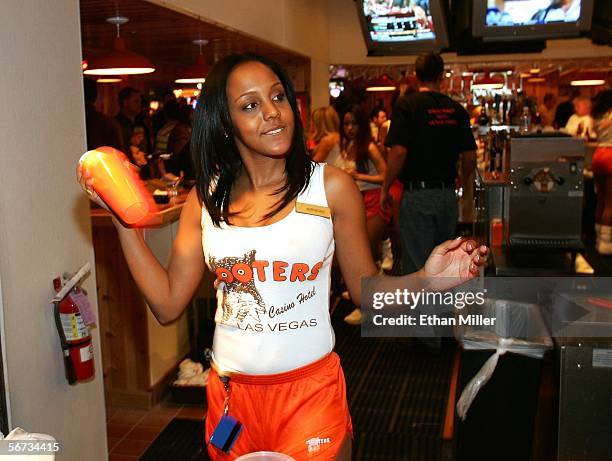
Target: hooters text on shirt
279,271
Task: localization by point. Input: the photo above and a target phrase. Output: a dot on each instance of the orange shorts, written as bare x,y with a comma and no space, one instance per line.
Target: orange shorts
302,413
602,161
371,200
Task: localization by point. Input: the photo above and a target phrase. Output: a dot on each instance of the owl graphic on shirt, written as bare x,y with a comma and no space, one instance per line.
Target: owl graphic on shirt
240,302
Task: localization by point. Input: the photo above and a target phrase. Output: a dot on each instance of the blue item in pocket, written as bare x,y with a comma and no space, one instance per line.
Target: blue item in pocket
226,433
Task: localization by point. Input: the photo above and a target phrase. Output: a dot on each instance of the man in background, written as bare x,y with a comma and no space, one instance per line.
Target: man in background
101,129
565,109
547,110
581,124
429,133
378,118
134,134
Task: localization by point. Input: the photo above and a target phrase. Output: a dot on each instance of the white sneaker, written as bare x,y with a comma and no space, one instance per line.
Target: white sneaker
354,318
387,255
604,245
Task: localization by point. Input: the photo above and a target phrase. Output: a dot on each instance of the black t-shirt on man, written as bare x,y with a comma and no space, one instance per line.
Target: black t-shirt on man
435,130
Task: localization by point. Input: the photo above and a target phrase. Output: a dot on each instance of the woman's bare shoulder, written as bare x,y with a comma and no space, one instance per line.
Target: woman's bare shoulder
193,206
339,186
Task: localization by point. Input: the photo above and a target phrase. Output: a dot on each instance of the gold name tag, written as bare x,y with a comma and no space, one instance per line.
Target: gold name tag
315,210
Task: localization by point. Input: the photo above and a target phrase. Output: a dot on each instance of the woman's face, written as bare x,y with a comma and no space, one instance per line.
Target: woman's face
261,114
349,124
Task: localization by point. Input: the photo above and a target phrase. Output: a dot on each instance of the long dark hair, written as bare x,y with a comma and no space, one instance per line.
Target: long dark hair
363,139
215,155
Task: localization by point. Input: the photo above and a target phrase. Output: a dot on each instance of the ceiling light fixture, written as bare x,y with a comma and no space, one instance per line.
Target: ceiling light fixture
588,82
198,72
109,80
588,78
487,83
382,83
119,61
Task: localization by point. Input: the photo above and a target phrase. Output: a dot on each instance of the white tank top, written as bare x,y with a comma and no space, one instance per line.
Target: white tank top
273,303
334,157
339,159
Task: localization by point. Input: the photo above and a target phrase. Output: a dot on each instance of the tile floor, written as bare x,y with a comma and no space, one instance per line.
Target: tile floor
131,431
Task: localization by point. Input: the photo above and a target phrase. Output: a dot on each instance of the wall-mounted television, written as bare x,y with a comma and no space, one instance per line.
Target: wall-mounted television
402,27
500,20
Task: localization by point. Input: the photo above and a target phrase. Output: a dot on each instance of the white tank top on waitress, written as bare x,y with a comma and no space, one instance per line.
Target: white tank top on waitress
273,305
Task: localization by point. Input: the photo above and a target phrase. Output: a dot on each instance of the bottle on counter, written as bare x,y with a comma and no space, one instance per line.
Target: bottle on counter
483,118
525,126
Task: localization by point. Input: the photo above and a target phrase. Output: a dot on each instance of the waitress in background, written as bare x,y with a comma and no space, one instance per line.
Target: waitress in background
602,171
325,135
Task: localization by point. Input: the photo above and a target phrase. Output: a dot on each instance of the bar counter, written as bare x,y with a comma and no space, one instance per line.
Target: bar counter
139,355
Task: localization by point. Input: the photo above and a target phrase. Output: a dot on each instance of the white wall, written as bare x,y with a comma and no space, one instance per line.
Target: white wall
301,26
44,220
347,45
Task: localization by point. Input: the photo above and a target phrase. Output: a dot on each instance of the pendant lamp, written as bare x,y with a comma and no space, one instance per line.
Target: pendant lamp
198,72
487,83
382,83
119,61
109,80
588,78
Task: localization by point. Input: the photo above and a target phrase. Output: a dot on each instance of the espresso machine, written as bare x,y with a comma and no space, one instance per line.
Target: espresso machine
543,207
536,198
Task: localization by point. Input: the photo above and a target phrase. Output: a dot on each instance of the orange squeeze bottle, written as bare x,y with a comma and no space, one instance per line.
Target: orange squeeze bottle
118,185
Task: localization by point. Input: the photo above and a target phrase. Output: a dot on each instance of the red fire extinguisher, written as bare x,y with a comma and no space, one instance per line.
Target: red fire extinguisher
75,338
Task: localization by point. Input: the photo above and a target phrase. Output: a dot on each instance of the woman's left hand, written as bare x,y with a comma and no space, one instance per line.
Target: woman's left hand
454,262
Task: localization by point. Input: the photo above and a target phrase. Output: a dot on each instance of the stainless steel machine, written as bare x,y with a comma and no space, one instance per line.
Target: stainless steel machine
543,206
536,197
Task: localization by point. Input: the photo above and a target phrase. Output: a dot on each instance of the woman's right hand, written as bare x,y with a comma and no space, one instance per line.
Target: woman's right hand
86,180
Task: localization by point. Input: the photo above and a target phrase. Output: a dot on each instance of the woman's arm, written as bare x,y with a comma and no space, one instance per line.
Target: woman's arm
450,263
379,163
348,215
167,291
324,148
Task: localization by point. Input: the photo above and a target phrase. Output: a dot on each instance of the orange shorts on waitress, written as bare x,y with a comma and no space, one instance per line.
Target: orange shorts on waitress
302,413
602,160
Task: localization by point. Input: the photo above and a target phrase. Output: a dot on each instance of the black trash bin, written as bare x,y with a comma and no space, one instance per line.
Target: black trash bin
500,422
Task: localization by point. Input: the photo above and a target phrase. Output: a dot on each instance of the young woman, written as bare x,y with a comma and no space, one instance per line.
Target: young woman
266,220
602,171
365,163
325,126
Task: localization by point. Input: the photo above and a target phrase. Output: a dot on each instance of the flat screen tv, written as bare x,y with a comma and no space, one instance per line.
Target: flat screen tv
499,20
402,27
